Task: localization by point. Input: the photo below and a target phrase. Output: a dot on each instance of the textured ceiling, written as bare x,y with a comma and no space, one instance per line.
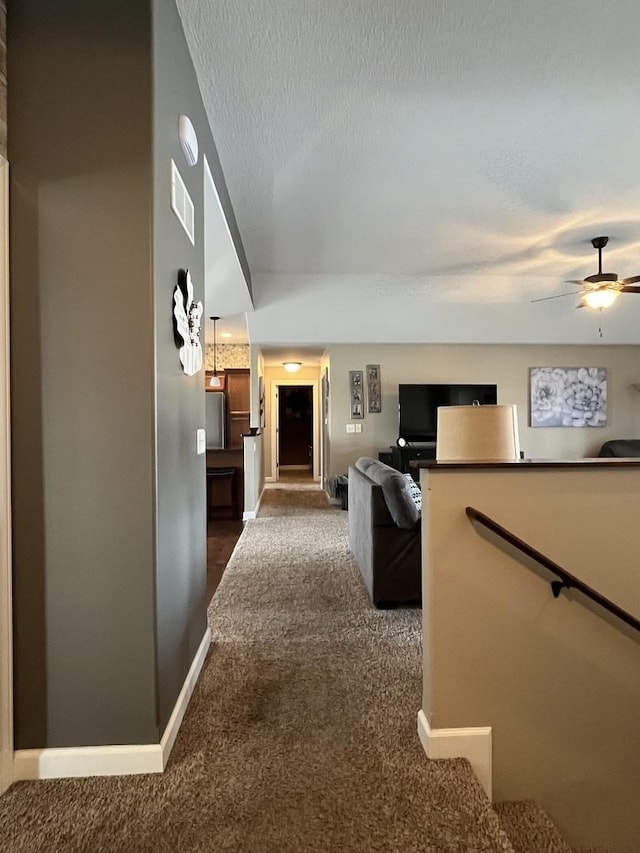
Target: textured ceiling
426,138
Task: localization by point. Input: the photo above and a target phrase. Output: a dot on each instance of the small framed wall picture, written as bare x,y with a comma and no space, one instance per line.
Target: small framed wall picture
374,398
261,399
356,394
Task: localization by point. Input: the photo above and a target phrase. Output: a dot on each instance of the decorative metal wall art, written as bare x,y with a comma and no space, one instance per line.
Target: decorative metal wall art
261,399
187,315
374,397
356,393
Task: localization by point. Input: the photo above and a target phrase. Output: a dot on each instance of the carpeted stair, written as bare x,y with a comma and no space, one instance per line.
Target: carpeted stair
529,828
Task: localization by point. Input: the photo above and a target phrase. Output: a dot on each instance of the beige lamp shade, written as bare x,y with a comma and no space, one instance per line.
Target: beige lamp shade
477,434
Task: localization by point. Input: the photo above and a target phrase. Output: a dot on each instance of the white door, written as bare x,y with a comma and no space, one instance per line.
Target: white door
6,709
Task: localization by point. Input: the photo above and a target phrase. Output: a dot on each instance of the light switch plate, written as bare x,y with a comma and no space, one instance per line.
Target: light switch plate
351,427
201,441
358,427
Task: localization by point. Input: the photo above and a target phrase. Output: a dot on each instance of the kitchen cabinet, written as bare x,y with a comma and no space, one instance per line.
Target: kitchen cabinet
238,391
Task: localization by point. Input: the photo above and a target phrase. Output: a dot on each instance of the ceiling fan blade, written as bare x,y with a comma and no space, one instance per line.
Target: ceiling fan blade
600,277
628,288
631,280
557,296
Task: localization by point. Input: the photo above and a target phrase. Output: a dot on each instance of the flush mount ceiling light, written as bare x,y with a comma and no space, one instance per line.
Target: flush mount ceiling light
188,140
292,366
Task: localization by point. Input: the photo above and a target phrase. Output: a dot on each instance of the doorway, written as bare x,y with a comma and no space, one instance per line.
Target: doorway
6,696
295,429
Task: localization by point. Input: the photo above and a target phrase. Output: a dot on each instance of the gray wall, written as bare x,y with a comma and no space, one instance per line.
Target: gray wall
181,526
82,372
109,494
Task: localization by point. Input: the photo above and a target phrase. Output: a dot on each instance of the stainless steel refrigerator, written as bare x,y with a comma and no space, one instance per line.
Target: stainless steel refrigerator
215,420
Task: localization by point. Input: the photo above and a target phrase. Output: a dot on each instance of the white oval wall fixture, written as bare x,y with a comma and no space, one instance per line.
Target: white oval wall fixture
188,140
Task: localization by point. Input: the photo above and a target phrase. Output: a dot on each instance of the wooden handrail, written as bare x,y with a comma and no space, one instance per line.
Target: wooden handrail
567,580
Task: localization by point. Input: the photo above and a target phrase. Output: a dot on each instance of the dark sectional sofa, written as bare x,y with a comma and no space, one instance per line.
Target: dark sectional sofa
621,447
384,533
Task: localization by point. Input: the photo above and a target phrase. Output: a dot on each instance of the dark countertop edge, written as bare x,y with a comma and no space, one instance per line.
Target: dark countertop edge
597,462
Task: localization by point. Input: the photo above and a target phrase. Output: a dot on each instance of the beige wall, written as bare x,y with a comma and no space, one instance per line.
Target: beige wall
507,366
272,375
557,680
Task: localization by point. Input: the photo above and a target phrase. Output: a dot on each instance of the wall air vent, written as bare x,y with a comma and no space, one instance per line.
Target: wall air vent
181,203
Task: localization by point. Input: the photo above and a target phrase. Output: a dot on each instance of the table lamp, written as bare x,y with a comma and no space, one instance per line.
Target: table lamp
477,434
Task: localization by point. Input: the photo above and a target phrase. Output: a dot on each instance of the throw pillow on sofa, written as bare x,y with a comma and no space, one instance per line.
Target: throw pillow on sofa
414,491
395,490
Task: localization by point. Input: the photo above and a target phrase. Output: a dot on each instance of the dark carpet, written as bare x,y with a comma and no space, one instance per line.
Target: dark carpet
301,733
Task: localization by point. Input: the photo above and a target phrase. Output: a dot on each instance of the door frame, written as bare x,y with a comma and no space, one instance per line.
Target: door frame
6,622
275,384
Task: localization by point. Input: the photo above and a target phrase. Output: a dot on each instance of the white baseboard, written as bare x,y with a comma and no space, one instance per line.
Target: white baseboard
65,762
474,744
175,720
124,760
253,513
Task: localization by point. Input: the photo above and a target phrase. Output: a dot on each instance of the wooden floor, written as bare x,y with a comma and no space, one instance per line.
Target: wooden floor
222,536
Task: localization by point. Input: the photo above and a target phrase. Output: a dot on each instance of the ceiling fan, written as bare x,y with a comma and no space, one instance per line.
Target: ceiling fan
601,289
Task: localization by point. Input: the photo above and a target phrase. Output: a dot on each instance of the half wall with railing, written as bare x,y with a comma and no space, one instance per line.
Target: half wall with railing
541,692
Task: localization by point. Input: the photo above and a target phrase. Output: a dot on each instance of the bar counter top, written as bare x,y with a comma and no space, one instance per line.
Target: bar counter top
594,462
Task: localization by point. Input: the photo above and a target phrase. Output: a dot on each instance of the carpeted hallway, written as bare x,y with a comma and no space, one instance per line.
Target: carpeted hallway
301,734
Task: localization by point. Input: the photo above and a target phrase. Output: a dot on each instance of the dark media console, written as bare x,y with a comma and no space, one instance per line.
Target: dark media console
400,457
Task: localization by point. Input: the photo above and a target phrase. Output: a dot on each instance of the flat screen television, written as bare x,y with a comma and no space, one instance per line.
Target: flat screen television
418,406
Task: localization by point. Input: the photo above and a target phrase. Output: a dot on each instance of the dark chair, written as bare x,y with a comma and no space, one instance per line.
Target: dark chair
222,491
621,447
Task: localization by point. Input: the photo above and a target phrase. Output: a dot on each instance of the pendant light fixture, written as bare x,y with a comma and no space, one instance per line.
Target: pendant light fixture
214,382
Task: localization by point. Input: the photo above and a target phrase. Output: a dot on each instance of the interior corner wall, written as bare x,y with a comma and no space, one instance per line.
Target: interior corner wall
503,364
79,147
181,506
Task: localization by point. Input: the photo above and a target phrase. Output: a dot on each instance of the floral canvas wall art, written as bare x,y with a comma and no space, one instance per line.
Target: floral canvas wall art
568,396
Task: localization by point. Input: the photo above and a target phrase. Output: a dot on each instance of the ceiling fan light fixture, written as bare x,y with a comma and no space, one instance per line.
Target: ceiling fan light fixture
600,297
292,366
